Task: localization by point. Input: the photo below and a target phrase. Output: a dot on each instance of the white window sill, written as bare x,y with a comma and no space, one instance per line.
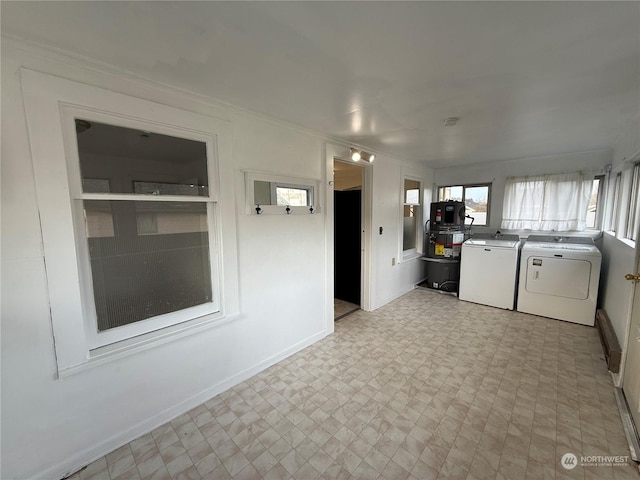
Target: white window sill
125,348
626,241
410,256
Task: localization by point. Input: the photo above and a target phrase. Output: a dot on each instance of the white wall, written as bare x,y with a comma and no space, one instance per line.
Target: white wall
391,281
277,248
496,173
627,146
618,256
616,292
52,426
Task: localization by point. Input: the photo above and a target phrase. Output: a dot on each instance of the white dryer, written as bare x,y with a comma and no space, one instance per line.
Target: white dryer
488,270
559,278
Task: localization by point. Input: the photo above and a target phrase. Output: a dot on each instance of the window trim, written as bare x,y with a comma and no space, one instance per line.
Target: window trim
418,214
632,218
311,185
472,185
95,337
44,95
616,200
600,203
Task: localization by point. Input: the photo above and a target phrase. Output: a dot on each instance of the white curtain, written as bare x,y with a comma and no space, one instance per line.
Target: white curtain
546,202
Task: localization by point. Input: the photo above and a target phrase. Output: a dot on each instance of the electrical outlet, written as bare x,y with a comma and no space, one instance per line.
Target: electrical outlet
393,262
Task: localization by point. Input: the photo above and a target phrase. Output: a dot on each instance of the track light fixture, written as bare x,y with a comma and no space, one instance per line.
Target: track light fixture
357,155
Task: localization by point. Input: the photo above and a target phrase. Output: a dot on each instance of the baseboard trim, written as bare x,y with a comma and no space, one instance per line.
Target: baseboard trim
609,341
80,460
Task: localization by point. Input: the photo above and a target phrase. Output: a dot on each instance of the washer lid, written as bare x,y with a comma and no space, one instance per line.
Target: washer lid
492,242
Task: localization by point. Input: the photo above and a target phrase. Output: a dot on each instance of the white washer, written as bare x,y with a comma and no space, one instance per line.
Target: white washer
559,278
488,270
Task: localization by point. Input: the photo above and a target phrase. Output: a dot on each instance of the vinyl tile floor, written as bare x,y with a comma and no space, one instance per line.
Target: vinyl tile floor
342,308
426,387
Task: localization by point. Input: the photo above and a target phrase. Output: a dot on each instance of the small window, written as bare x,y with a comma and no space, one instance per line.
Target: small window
412,196
292,196
147,223
476,199
615,210
275,194
594,209
411,214
634,204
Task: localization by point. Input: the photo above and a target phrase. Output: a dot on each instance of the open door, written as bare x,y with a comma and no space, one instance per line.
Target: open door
631,377
348,245
348,237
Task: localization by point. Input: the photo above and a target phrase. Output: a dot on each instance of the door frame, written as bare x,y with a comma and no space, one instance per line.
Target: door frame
341,153
629,419
361,169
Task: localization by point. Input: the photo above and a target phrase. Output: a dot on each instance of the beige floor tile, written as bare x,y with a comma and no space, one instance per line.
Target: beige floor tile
94,468
425,387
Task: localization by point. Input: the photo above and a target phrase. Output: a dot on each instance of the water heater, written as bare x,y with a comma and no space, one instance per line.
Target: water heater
443,242
447,214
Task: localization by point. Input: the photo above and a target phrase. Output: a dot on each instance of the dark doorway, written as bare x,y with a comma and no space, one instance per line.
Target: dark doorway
347,245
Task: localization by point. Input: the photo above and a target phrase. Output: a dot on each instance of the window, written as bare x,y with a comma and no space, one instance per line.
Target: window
476,200
149,252
411,214
279,195
594,209
131,220
634,205
556,202
292,196
616,198
136,277
147,223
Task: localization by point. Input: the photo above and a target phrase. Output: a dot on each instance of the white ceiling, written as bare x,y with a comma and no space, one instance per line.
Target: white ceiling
525,78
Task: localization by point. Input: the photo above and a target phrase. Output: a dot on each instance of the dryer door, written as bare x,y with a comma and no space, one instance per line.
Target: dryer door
560,277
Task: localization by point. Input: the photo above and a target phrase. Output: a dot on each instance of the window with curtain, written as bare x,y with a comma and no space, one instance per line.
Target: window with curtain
556,202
